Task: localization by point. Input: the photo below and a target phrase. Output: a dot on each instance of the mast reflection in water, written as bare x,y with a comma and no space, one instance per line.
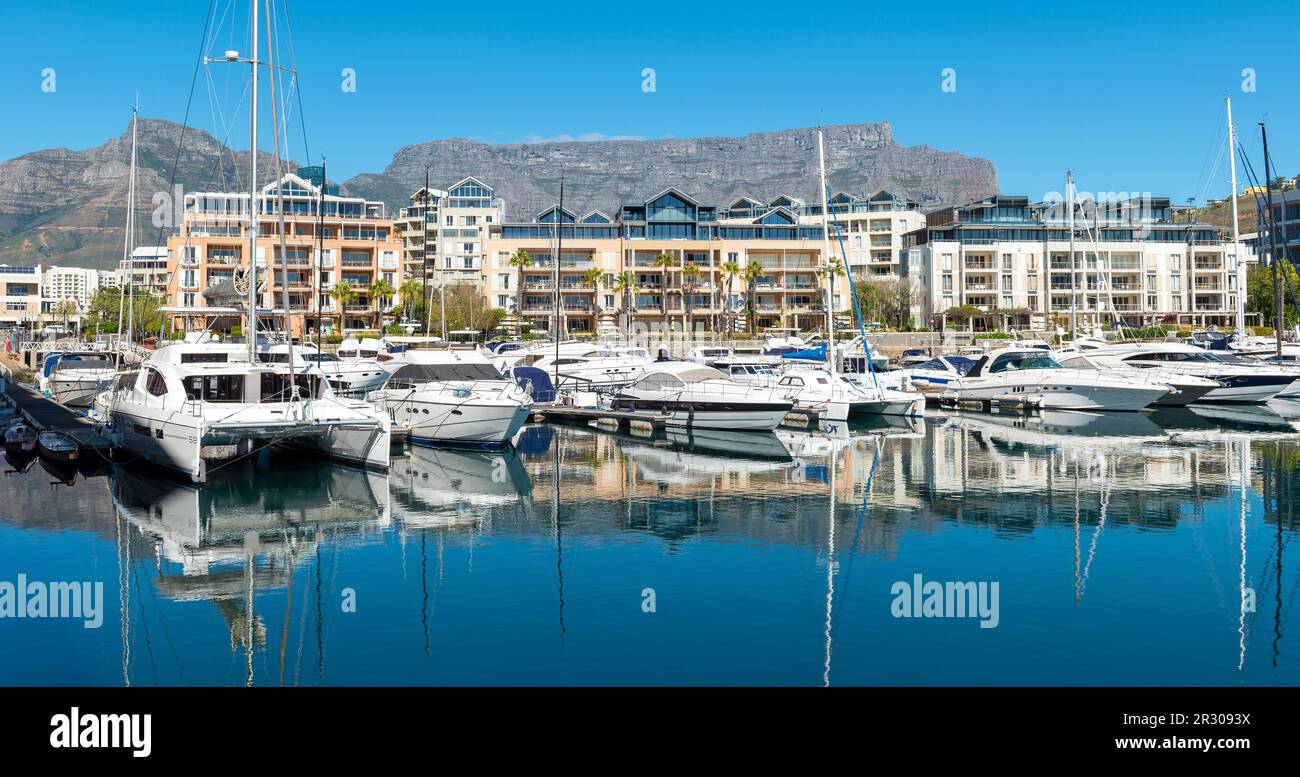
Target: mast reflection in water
1142,549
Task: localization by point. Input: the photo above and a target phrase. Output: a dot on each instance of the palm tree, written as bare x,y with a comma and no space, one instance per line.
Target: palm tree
379,291
625,284
731,270
665,261
521,260
410,289
690,277
594,278
834,269
752,271
343,294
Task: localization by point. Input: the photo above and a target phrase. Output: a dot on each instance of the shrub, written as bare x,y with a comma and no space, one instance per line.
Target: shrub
993,336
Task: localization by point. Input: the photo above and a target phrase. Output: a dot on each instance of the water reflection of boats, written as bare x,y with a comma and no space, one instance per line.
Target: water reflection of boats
63,472
237,514
694,455
1253,418
440,487
1065,428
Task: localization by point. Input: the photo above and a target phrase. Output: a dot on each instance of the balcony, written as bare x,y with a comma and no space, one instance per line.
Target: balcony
357,307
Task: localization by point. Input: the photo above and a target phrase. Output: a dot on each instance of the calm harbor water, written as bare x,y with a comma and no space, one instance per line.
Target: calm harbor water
1121,545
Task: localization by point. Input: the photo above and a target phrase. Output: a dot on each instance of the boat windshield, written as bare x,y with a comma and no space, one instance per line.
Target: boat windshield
435,373
1024,361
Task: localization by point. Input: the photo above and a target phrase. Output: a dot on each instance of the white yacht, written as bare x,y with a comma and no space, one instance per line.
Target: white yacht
354,377
754,370
197,402
1035,379
75,378
1238,382
931,378
453,397
1186,388
842,398
581,365
696,396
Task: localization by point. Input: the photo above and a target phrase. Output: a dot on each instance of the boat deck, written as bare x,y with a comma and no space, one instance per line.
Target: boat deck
46,414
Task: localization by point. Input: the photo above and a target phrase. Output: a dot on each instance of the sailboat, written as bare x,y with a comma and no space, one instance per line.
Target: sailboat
840,395
196,402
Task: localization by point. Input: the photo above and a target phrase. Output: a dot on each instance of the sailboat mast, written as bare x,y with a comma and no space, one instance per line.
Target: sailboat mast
1074,282
130,224
1236,233
826,256
1278,317
250,332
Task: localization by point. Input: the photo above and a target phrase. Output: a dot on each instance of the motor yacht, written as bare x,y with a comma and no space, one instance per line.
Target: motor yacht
692,395
1034,378
75,378
1186,388
453,397
354,377
754,370
1238,381
193,403
840,398
931,378
581,365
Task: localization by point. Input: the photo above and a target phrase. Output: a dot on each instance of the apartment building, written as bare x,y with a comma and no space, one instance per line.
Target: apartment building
20,293
352,242
1286,213
444,233
1006,262
149,271
782,237
75,284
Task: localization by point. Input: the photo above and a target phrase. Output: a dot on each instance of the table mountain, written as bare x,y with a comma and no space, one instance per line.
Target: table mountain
60,206
860,158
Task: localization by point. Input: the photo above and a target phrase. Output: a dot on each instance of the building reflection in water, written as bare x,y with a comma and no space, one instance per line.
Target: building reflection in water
858,492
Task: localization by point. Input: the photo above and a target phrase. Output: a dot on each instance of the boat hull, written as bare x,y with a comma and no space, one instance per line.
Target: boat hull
478,424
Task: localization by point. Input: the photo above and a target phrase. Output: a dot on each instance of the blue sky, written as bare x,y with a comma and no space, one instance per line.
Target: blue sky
1130,98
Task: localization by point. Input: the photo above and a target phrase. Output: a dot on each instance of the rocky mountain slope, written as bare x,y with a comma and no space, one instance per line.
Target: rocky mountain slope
69,207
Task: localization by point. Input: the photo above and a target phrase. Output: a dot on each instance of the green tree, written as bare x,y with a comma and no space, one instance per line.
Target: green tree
410,290
625,284
343,294
690,279
731,270
833,269
1259,292
520,260
752,273
594,278
665,262
380,290
103,311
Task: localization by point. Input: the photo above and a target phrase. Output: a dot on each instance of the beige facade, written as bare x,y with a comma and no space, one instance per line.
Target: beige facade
781,237
1008,263
356,245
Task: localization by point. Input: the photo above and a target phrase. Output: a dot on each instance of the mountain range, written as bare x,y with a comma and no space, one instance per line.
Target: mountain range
60,206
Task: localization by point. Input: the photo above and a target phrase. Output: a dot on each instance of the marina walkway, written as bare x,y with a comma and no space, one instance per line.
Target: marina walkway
46,414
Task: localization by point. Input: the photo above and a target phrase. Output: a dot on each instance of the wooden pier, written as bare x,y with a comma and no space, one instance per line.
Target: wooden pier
46,414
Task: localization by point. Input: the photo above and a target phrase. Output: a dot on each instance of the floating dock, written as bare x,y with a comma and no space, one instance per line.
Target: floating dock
798,418
46,414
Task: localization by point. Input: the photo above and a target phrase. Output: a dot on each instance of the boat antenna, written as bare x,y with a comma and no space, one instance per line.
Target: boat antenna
128,262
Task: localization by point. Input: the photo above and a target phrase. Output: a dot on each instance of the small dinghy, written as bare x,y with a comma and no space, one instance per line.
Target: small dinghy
20,438
63,471
57,446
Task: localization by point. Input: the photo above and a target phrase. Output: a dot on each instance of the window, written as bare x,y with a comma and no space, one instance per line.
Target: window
154,383
503,301
503,280
451,221
215,388
1006,261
